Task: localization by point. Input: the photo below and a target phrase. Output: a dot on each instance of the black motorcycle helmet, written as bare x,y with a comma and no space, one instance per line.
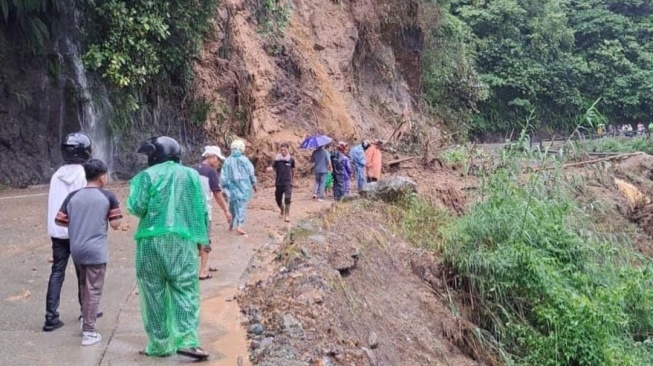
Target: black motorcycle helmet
160,149
76,148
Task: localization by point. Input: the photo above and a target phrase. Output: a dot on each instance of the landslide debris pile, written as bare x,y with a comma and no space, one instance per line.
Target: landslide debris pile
344,289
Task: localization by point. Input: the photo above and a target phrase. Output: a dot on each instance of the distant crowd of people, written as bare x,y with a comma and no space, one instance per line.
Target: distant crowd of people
336,165
173,203
624,130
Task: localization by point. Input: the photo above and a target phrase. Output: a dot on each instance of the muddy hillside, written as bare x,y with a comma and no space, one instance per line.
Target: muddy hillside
277,70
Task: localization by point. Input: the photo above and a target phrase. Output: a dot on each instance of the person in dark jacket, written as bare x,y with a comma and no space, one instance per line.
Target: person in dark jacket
341,171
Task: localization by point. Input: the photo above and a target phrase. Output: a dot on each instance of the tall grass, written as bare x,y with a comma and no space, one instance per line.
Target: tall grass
541,278
421,222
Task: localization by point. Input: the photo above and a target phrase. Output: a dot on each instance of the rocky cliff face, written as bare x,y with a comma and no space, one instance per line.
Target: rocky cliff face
47,94
37,104
347,68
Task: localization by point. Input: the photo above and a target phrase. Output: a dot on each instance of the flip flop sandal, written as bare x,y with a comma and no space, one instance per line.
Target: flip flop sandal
207,277
194,352
213,269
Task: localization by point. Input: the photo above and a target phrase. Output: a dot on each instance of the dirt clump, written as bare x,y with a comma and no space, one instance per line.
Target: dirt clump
343,289
437,182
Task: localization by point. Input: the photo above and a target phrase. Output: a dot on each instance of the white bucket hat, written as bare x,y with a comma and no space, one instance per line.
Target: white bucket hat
213,150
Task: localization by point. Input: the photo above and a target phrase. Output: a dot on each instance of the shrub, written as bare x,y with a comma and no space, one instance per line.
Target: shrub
541,280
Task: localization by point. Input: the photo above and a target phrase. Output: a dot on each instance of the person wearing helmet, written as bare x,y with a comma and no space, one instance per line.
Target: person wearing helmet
75,150
169,200
237,177
211,159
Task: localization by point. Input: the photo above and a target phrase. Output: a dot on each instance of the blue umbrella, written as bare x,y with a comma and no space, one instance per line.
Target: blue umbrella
315,141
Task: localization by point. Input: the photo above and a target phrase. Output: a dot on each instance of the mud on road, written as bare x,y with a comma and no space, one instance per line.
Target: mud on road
24,267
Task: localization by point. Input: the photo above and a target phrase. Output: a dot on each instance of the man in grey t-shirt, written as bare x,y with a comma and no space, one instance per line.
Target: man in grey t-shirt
320,158
87,213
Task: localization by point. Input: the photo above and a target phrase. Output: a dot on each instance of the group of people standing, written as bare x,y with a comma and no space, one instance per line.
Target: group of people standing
173,203
364,163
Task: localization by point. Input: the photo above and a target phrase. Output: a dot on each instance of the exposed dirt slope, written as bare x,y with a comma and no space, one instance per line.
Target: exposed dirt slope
277,70
626,187
342,289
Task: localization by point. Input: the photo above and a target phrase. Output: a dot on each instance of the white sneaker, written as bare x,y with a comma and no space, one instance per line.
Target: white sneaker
90,338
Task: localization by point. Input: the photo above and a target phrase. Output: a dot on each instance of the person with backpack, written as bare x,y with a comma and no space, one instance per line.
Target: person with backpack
341,171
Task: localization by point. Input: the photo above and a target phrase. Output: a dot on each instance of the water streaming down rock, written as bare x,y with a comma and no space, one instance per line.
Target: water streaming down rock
91,113
50,94
90,98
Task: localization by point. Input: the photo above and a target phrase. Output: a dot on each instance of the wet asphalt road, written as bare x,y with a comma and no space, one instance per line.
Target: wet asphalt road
24,270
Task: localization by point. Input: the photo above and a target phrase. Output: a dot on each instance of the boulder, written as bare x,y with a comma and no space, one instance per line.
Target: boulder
390,189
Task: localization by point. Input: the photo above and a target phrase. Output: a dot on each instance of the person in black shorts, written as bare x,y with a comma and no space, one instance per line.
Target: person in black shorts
284,166
211,159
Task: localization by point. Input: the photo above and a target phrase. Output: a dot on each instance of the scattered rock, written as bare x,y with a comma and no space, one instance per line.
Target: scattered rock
295,275
256,328
373,340
306,253
370,355
311,297
23,296
318,47
292,326
267,341
327,361
317,238
344,263
307,226
255,344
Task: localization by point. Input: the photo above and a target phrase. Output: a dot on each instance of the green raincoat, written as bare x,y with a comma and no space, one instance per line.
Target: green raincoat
169,200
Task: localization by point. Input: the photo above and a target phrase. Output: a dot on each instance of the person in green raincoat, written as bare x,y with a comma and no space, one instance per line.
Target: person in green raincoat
169,200
237,177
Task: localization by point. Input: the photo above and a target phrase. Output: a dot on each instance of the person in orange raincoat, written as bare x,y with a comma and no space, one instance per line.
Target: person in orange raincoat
373,161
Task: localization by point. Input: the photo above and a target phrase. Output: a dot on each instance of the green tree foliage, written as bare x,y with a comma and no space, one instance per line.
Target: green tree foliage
450,83
557,56
132,43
